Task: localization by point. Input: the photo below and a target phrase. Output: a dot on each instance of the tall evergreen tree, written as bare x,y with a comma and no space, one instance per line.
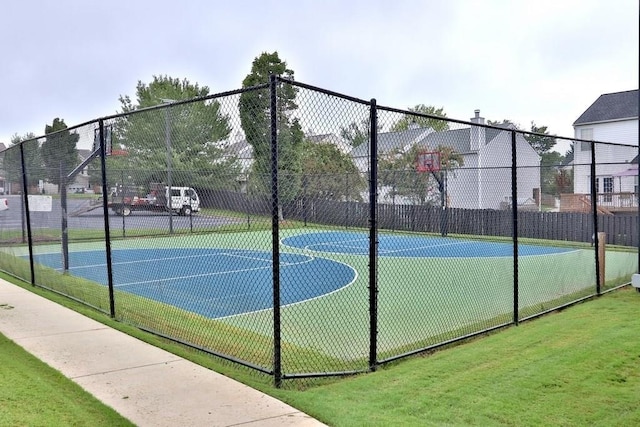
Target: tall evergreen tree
58,151
255,119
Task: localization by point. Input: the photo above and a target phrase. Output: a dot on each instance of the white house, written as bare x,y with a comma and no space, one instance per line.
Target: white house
484,180
613,117
80,183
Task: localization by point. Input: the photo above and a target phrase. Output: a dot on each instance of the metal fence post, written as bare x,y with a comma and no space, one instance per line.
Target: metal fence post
27,216
514,212
275,233
373,238
594,213
64,226
167,136
105,215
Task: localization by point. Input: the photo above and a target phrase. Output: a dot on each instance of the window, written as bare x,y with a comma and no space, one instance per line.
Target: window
607,188
635,184
586,134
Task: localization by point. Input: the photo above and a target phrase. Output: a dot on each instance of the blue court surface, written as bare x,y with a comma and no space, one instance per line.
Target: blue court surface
357,243
212,282
219,282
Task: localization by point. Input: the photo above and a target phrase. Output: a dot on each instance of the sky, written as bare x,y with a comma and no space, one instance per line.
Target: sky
544,61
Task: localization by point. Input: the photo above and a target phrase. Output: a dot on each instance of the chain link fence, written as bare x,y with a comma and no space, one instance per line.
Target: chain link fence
305,233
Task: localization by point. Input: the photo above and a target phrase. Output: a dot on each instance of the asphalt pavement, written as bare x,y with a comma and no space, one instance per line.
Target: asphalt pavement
79,217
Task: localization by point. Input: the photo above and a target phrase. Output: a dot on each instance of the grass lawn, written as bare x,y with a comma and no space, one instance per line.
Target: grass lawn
580,366
574,368
34,394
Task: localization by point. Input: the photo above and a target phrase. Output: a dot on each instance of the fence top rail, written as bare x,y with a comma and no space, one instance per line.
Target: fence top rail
327,92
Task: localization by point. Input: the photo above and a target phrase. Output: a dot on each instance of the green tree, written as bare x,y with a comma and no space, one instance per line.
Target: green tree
550,161
550,164
397,170
58,151
12,164
542,143
423,122
195,131
356,133
255,119
330,174
564,182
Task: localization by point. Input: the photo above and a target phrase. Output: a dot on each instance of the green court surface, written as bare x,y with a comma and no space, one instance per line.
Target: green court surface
430,289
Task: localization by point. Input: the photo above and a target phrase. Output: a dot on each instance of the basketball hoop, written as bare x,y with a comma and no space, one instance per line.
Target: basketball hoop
107,140
428,161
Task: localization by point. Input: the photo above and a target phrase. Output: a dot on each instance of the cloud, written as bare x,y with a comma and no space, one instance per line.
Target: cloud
545,61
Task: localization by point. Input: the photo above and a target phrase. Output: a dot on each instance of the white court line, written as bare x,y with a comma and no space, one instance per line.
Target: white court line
339,243
423,247
382,251
219,273
216,299
154,260
140,261
346,285
192,276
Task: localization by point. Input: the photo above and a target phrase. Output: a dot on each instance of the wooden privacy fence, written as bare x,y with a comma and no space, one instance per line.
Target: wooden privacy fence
621,229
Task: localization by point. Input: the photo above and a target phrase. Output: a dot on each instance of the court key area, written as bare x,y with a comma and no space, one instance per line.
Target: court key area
212,282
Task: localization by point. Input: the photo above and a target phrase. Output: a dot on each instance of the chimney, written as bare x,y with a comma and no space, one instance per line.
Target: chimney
477,132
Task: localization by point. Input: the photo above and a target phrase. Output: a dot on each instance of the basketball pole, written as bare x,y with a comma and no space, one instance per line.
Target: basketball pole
425,163
602,242
441,179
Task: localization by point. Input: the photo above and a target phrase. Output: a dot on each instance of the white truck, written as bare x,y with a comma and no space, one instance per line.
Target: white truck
180,200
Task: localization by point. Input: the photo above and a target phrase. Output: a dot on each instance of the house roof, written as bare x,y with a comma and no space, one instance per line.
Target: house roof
458,139
388,141
611,106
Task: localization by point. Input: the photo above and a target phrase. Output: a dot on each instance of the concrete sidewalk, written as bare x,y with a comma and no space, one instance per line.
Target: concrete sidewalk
145,384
